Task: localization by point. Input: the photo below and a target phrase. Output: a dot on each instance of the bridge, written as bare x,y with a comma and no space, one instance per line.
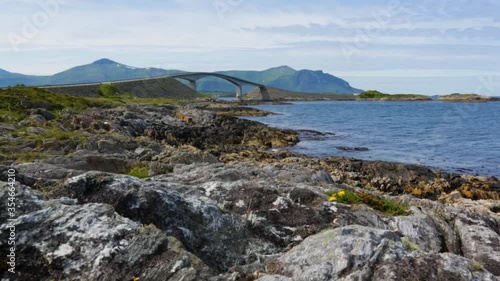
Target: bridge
239,83
191,77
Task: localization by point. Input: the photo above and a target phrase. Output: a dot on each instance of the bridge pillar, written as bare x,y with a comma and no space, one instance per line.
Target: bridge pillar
192,84
239,92
264,94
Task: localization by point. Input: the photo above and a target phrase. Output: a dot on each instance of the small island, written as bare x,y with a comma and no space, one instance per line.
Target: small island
467,98
376,95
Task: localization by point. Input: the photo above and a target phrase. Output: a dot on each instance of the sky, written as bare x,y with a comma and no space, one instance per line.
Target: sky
395,46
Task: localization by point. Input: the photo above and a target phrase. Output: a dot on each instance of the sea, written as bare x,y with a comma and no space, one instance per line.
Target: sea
455,137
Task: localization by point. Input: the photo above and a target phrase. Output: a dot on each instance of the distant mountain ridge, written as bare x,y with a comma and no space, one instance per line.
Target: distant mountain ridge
283,77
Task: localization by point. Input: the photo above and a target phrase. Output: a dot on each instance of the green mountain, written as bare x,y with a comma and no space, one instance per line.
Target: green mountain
282,77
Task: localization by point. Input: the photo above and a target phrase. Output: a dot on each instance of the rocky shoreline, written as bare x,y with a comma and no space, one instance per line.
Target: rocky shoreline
188,192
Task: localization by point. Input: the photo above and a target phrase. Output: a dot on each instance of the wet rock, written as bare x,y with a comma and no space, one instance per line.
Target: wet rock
346,148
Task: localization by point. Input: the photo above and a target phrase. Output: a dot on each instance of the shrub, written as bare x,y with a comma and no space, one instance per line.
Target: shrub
381,204
139,172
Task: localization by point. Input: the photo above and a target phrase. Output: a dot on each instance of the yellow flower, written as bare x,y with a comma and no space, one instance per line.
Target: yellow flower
341,193
135,278
333,198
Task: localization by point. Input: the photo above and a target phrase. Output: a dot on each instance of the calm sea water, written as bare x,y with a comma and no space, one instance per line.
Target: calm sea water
456,137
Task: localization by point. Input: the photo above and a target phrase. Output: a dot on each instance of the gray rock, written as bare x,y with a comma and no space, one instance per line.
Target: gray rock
444,266
420,230
220,239
275,278
37,130
34,119
7,128
64,241
43,112
109,147
349,253
480,240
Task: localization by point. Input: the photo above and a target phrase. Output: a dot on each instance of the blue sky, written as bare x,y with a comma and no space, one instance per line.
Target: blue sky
429,47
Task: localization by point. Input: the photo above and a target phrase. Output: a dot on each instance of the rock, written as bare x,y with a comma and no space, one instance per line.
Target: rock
33,120
348,253
420,230
7,128
109,147
345,148
43,112
322,176
37,130
444,266
92,242
220,239
189,155
275,278
480,239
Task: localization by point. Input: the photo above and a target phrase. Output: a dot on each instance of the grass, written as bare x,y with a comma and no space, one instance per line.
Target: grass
25,156
110,91
15,103
384,205
411,246
202,95
139,171
476,266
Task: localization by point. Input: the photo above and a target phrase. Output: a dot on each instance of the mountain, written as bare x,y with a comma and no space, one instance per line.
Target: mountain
99,71
283,77
9,78
105,70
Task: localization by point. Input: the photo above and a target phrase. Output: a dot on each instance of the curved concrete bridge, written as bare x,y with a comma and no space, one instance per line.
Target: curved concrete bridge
239,83
131,84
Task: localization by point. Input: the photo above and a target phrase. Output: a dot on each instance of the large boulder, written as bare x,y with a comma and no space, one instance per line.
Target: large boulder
444,266
221,239
59,240
349,253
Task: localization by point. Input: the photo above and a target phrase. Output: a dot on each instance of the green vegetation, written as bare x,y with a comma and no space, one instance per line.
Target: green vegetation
202,95
110,91
16,103
372,94
387,206
139,171
411,246
476,266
